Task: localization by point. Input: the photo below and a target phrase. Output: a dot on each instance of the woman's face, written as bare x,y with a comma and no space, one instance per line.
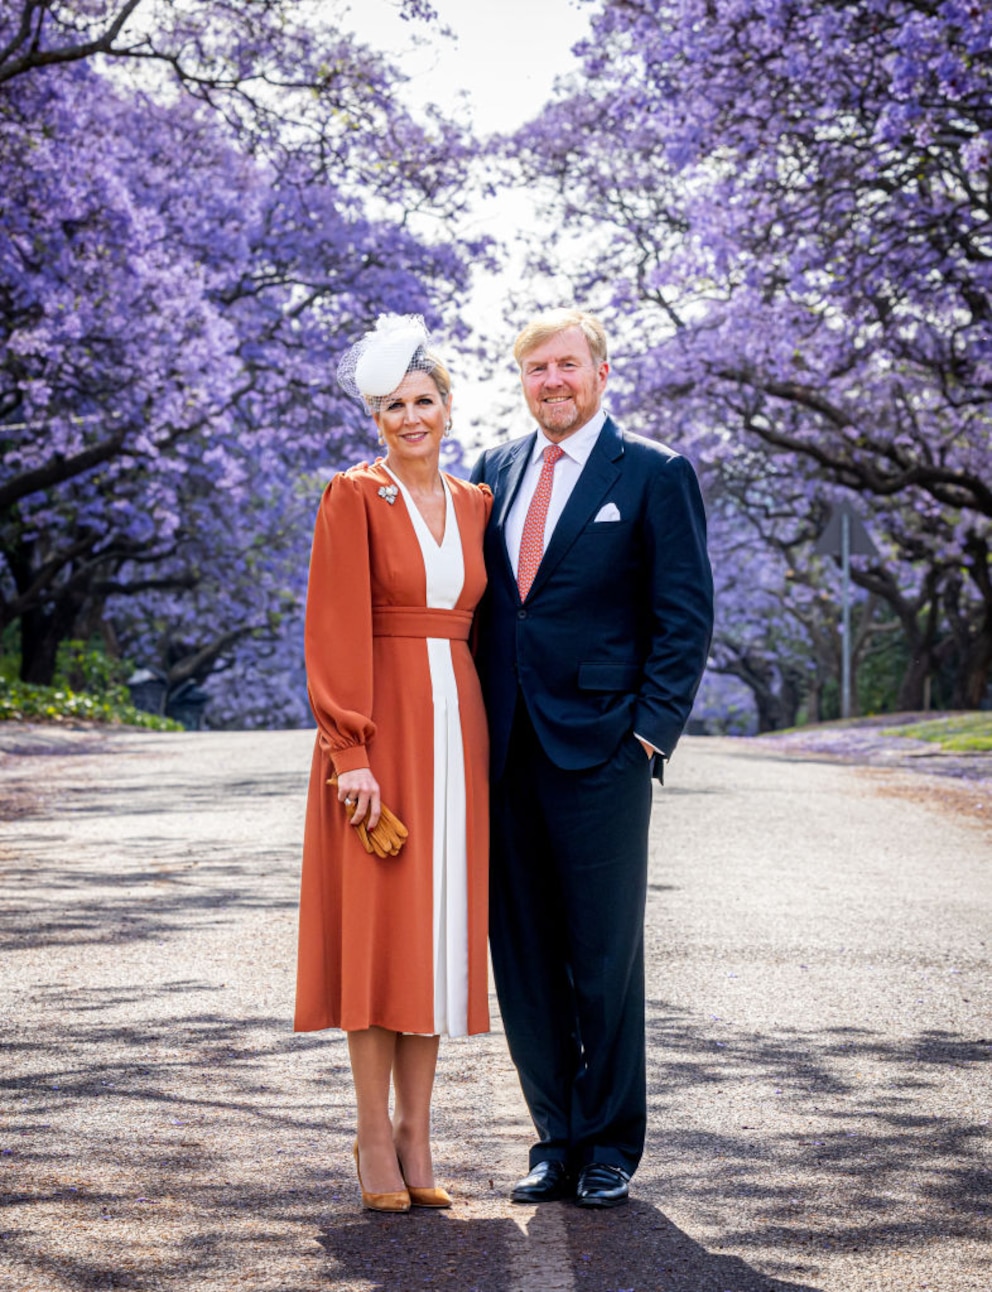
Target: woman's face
413,418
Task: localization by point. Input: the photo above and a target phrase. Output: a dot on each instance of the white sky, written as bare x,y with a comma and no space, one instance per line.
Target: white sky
505,53
496,72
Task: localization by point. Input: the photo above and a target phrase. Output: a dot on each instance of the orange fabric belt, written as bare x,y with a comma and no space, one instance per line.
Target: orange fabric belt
421,621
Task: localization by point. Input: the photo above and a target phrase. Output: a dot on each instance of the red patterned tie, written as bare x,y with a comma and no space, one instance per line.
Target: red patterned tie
532,539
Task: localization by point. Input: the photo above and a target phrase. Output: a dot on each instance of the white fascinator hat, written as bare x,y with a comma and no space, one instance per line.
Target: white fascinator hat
377,363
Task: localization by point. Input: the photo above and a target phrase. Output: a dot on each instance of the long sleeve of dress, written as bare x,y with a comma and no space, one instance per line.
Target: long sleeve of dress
338,632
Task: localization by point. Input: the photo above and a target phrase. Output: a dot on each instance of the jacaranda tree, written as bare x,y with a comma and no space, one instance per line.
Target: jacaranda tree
199,206
785,212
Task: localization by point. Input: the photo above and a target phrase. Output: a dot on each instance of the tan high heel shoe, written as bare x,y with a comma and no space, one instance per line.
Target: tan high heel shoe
432,1197
428,1197
398,1200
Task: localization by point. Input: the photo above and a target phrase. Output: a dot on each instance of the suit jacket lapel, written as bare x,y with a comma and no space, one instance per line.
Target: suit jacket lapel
597,477
511,473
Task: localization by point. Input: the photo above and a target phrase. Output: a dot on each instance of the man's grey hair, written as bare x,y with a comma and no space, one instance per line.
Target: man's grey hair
551,322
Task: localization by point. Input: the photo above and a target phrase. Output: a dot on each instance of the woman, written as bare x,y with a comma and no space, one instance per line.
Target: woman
393,949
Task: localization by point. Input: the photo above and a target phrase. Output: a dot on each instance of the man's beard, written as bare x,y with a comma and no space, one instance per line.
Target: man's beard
558,417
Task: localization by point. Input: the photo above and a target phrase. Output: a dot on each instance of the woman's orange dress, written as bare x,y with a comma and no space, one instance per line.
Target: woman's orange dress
395,942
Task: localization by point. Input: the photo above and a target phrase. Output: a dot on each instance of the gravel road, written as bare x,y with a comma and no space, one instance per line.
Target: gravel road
819,1041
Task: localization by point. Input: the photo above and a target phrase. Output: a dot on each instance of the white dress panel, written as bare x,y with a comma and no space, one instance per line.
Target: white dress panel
444,566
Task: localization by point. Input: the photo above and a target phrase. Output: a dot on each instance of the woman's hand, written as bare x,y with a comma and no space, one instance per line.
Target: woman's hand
361,788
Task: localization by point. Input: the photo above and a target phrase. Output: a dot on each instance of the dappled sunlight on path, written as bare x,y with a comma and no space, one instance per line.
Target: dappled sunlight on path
818,1079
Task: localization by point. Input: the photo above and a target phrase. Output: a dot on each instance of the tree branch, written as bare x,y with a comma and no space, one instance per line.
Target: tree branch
37,57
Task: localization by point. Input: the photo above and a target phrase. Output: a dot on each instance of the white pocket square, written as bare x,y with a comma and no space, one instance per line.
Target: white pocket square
608,512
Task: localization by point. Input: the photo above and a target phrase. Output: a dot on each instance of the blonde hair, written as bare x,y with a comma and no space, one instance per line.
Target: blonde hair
551,322
441,375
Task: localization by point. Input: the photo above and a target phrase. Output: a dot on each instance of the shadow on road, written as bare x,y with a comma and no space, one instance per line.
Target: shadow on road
113,1124
160,896
636,1247
164,883
845,1138
160,1127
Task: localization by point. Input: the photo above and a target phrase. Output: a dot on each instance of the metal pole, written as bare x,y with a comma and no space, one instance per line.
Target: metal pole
845,565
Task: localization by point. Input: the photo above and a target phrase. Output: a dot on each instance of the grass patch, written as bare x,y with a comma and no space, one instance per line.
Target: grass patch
960,733
22,702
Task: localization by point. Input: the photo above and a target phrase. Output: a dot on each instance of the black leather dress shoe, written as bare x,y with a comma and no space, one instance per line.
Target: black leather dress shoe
602,1185
547,1182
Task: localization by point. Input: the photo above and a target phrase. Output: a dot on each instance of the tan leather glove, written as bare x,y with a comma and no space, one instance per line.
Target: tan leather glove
389,835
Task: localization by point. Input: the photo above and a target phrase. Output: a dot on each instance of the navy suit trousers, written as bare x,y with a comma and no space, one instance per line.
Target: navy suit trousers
567,896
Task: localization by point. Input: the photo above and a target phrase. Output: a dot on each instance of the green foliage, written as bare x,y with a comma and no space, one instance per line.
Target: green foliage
961,733
10,657
876,679
22,702
880,671
89,685
830,701
83,666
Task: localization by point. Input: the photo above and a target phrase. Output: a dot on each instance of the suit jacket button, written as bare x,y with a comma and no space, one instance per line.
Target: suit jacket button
521,614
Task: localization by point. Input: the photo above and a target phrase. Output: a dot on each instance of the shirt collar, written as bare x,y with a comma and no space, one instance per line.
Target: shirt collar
578,445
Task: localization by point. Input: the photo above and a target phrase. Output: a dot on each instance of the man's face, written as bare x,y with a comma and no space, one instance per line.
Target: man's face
562,383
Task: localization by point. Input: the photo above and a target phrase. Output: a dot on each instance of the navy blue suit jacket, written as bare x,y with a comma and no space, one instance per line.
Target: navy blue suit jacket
614,634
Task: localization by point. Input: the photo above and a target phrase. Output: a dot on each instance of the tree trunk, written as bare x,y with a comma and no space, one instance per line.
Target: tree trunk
42,632
790,697
913,686
972,680
975,662
39,648
775,709
920,619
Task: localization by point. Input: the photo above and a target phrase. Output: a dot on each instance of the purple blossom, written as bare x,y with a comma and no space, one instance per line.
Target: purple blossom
182,257
789,208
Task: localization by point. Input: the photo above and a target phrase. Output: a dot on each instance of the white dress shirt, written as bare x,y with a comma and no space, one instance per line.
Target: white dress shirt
576,448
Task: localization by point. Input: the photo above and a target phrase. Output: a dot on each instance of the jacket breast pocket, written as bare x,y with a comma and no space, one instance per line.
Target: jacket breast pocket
606,529
605,676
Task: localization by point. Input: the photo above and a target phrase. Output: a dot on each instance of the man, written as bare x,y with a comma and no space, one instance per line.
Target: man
593,637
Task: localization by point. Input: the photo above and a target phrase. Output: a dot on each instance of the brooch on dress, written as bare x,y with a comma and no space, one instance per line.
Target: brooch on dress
388,492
